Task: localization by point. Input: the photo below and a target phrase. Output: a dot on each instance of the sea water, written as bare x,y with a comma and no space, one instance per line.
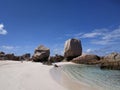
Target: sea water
94,76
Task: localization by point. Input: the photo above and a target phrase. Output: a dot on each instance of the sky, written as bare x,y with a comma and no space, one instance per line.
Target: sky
26,24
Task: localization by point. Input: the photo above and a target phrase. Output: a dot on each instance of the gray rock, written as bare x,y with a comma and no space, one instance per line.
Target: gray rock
86,59
112,65
112,57
41,54
72,48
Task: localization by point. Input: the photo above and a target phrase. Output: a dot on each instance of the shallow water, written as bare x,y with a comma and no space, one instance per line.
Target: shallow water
94,76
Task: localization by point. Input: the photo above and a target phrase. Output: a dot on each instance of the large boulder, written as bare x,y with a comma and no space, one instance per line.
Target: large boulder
72,48
41,54
87,59
112,57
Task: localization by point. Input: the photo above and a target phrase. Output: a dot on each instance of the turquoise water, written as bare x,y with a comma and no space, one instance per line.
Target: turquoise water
94,76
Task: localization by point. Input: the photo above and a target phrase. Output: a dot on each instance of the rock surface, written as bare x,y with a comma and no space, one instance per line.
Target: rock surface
41,54
56,58
87,59
2,55
112,57
9,56
111,61
72,49
26,56
112,65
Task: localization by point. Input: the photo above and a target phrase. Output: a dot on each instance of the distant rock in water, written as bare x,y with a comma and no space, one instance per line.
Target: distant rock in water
72,49
41,54
87,59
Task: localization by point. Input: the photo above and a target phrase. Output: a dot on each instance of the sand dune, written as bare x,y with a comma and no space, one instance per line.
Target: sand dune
26,76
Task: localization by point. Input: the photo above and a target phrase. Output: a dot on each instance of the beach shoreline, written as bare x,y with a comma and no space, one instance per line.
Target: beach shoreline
28,75
89,77
61,77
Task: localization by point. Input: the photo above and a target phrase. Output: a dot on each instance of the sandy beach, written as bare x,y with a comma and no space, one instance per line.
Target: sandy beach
15,75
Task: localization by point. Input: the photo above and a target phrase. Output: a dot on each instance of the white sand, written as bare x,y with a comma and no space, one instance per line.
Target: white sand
26,76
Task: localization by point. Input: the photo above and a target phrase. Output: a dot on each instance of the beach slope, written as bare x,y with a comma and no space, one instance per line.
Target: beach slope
26,76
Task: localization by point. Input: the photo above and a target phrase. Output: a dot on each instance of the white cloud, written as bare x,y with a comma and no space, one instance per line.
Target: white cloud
109,37
2,30
106,50
112,35
74,35
58,51
91,35
17,50
101,42
95,33
88,50
7,47
100,36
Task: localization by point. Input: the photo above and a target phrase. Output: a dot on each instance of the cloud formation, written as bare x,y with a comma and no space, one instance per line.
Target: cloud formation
18,50
2,30
91,35
88,50
7,47
100,36
108,37
57,49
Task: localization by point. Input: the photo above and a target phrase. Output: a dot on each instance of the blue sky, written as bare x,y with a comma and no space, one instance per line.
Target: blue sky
26,24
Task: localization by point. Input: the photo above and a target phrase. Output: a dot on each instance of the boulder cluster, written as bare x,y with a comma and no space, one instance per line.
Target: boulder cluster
4,56
72,49
72,52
